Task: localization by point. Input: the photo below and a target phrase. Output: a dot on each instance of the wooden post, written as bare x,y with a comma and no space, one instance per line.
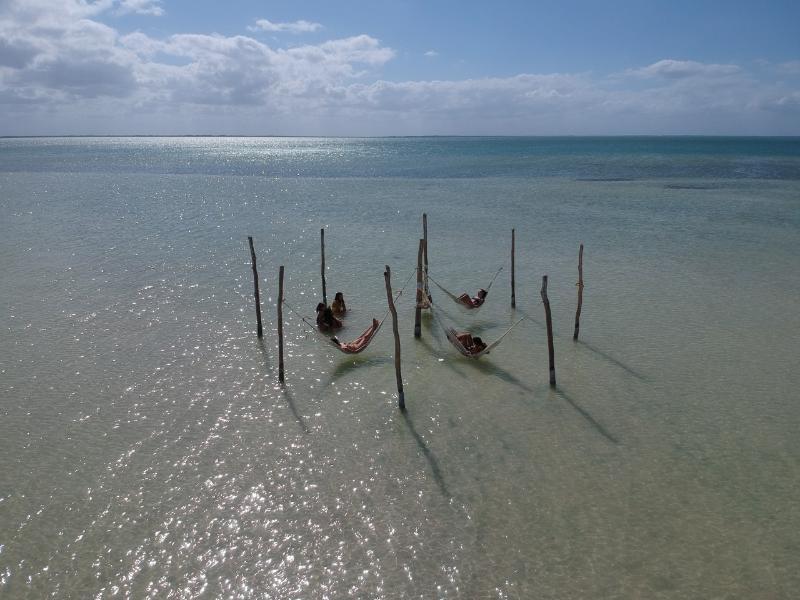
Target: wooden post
580,294
513,292
322,249
387,275
550,349
280,325
425,249
260,330
420,292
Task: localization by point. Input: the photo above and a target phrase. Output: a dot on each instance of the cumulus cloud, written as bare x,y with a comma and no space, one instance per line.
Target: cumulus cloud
300,26
679,69
60,60
141,7
791,67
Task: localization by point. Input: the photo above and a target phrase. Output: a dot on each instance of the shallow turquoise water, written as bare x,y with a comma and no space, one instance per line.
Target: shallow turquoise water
147,449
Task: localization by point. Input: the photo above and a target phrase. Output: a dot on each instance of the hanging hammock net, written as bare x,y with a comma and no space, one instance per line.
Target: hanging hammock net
361,342
465,300
453,337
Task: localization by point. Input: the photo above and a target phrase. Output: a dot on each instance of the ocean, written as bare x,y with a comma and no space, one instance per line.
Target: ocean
147,448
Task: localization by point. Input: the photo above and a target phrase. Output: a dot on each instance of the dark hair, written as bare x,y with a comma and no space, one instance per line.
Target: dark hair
339,295
320,306
477,341
482,291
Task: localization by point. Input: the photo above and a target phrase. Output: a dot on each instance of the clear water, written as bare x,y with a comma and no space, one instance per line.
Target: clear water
147,450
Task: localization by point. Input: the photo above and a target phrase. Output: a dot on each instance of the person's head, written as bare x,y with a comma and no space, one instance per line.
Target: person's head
478,341
339,297
482,294
320,307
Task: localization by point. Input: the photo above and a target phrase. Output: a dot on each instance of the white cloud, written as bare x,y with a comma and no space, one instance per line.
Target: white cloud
59,61
431,53
300,26
141,7
791,67
678,69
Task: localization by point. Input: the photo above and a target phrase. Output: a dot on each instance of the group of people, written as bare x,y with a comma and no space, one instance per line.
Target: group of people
328,316
328,319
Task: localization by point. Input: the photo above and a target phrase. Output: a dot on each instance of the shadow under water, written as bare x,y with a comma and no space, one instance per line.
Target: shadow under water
489,368
586,415
263,348
613,360
287,394
426,452
351,364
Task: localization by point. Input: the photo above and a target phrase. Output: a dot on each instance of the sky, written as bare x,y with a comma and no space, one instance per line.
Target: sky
399,67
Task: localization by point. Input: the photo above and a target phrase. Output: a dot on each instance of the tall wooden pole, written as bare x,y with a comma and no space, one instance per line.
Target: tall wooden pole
420,292
580,294
387,275
260,330
513,291
548,317
280,325
425,249
322,249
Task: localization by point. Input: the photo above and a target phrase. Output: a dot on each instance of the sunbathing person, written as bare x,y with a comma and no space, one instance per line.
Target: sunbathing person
475,302
473,345
361,342
338,306
325,319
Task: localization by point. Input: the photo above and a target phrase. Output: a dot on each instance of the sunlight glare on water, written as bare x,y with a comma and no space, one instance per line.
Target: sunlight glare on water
149,451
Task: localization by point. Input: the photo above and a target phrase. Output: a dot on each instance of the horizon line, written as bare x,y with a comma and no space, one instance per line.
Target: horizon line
230,135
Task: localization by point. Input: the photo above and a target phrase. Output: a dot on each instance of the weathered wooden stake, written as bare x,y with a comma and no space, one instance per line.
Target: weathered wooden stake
513,291
280,325
425,249
322,249
387,275
580,294
420,292
260,330
548,317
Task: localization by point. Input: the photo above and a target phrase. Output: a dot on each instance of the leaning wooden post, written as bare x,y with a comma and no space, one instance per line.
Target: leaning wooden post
280,325
513,294
322,249
420,292
387,275
425,249
260,330
550,350
580,294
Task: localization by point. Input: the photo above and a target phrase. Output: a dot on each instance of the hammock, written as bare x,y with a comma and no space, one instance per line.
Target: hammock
453,339
464,300
361,342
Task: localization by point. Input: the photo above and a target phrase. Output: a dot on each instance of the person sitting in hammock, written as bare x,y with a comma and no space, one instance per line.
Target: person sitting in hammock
325,319
338,306
475,302
473,345
358,344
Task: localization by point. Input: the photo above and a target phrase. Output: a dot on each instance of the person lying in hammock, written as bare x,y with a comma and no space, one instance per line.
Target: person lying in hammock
475,302
473,345
325,319
338,306
358,344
